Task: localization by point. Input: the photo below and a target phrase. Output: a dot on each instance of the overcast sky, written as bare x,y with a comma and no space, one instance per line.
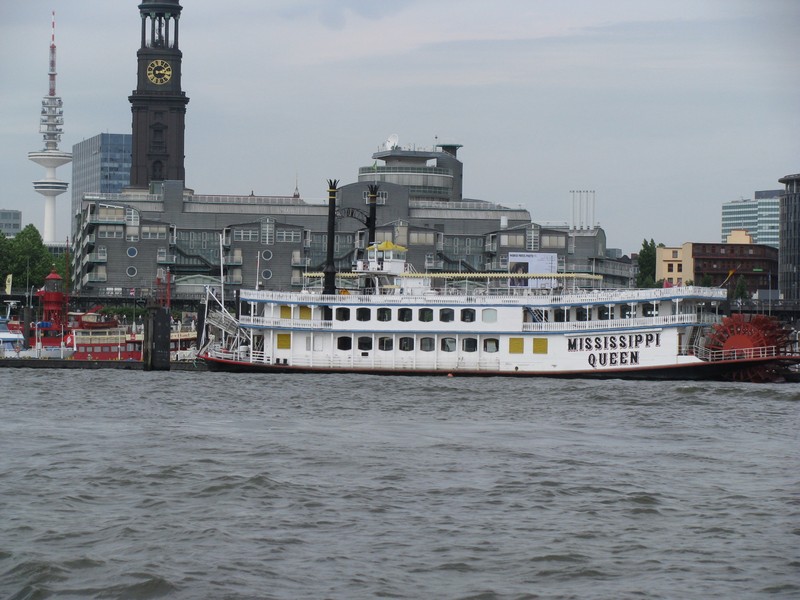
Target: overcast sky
666,108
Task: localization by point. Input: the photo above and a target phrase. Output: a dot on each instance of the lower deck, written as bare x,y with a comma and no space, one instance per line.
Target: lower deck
464,351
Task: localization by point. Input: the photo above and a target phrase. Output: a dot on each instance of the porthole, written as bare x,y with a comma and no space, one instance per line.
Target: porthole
131,271
266,274
266,254
132,252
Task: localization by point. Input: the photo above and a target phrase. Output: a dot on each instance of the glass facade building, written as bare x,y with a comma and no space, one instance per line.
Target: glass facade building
760,217
100,165
789,257
10,222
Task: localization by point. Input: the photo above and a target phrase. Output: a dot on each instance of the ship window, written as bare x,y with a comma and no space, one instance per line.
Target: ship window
540,345
516,345
342,314
446,315
489,315
284,341
404,315
605,312
384,314
470,344
448,344
491,345
625,311
344,342
385,344
131,271
132,251
286,311
427,344
305,313
406,344
363,314
650,310
468,315
582,313
561,315
426,314
365,343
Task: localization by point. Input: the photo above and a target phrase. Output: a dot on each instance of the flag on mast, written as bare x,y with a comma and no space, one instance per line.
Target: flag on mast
9,279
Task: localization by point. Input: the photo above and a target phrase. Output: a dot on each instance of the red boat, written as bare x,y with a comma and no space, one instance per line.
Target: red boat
90,335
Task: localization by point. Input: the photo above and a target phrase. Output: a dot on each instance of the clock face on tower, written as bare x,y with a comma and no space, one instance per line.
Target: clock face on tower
159,71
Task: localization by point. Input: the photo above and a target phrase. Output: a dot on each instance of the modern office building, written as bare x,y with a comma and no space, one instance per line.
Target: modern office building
790,238
10,222
760,217
128,243
100,165
715,265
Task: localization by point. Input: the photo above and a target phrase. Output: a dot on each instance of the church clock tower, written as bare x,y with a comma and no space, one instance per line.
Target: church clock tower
158,104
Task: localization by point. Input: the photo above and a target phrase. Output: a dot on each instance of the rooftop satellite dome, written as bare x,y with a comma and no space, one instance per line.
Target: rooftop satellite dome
391,143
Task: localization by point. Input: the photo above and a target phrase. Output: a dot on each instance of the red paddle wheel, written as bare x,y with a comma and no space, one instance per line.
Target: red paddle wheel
742,336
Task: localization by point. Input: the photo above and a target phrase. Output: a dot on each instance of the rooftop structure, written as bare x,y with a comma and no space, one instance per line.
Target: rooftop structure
433,174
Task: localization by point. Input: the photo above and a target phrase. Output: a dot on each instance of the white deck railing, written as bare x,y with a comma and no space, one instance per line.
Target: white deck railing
527,299
738,353
685,319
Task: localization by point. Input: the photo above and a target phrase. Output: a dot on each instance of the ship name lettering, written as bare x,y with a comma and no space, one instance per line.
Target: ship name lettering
613,359
630,341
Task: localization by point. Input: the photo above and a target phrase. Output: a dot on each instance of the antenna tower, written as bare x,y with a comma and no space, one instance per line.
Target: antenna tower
50,157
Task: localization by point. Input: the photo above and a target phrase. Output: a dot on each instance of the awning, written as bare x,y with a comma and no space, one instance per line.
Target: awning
387,245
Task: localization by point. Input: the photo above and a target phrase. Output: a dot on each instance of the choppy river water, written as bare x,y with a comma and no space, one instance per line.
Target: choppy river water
123,484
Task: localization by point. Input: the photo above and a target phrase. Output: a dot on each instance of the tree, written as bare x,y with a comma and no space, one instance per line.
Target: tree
740,291
647,265
5,258
26,258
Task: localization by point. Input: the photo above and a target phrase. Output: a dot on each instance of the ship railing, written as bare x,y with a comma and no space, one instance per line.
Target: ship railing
618,295
709,355
275,322
610,297
682,319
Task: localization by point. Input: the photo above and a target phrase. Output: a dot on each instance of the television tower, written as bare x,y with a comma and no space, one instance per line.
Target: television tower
50,157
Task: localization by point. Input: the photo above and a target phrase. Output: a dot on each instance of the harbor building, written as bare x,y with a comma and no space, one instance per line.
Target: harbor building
10,222
715,265
100,165
789,268
157,229
759,216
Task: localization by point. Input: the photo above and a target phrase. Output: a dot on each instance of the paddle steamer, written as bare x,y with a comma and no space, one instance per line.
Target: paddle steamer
388,319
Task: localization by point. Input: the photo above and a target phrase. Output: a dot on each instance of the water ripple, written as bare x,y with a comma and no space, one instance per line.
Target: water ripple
202,485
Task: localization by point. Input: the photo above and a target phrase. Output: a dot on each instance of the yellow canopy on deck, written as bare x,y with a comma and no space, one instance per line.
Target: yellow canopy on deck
387,245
